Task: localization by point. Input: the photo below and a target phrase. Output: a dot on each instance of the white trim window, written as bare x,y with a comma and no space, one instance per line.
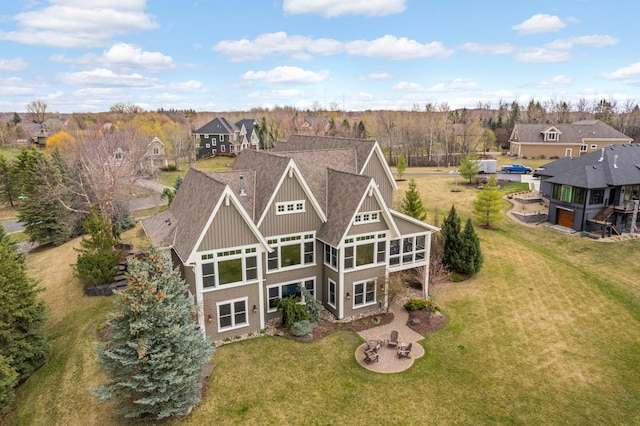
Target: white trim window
407,250
583,147
222,148
552,136
229,267
290,290
594,146
232,314
206,136
291,251
364,251
331,256
364,293
221,138
368,217
288,207
331,297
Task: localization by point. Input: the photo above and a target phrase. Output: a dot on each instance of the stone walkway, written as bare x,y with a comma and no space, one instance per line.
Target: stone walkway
388,361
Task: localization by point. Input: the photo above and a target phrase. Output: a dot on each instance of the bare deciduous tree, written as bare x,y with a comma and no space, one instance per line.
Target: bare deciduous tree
37,111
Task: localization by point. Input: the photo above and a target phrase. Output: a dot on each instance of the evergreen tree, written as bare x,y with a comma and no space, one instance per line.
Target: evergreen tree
412,204
155,353
45,219
472,255
488,203
469,166
7,183
23,344
401,165
452,253
97,258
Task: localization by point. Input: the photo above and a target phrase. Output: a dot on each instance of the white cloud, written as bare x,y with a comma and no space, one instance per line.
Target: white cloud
123,57
592,40
557,81
377,76
15,86
287,74
540,23
16,64
391,47
334,8
489,49
101,77
629,74
408,87
79,24
542,55
278,43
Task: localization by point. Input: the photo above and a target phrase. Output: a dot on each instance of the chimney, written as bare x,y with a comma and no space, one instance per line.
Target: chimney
601,156
242,191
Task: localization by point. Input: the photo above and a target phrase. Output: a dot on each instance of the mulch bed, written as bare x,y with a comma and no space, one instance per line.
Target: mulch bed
428,323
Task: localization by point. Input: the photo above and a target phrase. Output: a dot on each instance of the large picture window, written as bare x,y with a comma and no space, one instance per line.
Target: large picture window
596,196
291,251
291,290
229,267
364,250
232,314
364,293
568,194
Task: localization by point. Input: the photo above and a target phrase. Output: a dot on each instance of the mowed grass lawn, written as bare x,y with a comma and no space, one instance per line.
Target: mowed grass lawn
547,333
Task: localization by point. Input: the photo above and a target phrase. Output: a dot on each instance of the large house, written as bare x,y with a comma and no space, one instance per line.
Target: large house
563,140
316,213
223,137
598,191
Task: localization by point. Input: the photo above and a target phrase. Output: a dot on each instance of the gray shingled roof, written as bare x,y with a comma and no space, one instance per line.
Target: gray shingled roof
189,212
345,191
314,164
249,183
268,171
570,133
218,125
363,147
248,124
620,166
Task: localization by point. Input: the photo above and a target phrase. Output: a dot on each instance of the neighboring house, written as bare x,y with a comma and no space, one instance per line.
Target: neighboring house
316,213
221,137
596,191
563,140
154,157
248,134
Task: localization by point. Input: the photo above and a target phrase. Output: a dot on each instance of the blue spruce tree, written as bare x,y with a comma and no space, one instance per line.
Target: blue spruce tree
155,353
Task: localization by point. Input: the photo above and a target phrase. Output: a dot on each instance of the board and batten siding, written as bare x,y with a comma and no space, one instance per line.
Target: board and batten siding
293,223
369,204
376,273
376,170
228,229
211,298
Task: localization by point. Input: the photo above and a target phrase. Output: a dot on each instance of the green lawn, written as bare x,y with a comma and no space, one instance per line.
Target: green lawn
214,164
547,333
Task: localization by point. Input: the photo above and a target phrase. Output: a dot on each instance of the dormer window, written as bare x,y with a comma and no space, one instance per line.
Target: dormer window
552,136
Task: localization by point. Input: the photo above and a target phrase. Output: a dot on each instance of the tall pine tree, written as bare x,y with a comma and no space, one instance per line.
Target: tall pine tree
23,343
412,204
452,253
487,205
472,254
155,353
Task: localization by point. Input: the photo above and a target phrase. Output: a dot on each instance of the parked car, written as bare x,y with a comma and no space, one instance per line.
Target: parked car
516,168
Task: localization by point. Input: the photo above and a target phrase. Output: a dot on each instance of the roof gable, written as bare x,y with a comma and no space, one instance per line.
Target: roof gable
218,125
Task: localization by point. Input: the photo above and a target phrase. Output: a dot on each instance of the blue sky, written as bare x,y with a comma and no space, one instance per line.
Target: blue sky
86,55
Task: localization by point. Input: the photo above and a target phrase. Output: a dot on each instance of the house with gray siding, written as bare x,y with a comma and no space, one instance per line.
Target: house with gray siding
598,191
563,139
315,213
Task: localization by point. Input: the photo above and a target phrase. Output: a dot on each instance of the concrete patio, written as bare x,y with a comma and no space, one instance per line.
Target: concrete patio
388,361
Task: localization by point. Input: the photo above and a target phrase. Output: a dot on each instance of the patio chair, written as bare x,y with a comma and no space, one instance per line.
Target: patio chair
405,351
374,345
370,356
393,340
